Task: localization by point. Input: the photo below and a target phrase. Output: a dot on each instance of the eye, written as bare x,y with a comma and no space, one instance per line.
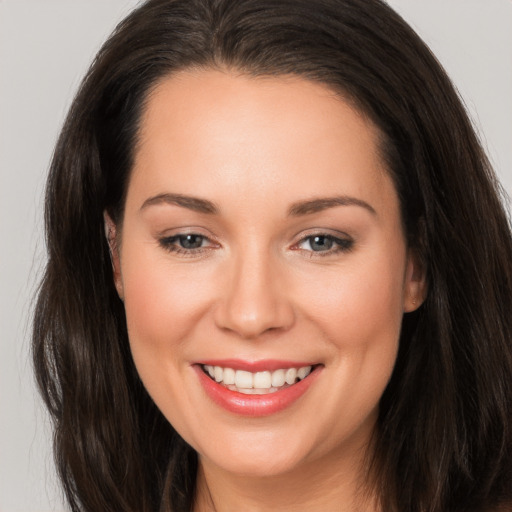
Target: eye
191,241
186,243
326,244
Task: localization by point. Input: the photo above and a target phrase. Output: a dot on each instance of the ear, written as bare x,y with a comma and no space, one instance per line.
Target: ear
111,235
415,286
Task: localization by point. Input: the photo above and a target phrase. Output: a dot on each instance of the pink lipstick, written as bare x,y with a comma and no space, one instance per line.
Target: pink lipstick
255,388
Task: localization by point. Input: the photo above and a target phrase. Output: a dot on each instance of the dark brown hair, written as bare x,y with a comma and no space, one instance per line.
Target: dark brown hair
444,437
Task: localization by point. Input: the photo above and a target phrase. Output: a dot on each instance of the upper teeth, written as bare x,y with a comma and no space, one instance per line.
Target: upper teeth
265,380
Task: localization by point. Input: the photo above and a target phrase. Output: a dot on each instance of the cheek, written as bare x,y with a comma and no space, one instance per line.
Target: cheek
358,304
359,312
163,305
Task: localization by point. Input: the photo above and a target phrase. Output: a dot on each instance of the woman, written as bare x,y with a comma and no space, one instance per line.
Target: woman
279,271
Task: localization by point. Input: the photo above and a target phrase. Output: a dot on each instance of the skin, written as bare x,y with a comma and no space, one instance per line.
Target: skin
256,289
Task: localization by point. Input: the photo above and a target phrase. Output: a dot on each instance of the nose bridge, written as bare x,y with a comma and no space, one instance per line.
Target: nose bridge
254,300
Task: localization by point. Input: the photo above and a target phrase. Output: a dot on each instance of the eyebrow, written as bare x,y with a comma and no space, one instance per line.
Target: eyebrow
323,203
296,209
192,203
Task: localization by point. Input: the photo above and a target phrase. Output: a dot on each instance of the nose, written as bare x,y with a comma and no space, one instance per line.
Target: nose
255,299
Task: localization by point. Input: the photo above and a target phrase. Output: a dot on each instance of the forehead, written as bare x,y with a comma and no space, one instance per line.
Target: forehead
213,131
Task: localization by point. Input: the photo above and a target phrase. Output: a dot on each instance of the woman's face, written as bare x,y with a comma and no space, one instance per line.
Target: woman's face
262,238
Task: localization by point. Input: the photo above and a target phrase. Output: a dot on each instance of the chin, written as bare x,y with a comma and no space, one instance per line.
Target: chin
262,467
265,455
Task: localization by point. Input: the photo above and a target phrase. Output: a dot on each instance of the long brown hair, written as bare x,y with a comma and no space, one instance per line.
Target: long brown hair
444,436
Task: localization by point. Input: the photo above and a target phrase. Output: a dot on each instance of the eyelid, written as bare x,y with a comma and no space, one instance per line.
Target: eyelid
184,231
332,233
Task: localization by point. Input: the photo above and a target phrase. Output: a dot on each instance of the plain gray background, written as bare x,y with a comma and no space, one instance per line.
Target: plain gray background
45,47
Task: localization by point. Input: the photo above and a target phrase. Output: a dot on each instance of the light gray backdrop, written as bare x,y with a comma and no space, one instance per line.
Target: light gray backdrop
45,47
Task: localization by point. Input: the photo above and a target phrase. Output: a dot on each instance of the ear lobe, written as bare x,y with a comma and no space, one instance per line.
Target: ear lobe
415,288
111,235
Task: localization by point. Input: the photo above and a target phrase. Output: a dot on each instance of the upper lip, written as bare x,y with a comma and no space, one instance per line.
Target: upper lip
255,366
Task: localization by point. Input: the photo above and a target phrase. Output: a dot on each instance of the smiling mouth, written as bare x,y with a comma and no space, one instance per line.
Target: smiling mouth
257,383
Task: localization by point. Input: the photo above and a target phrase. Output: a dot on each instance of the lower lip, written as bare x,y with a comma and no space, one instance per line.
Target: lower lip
255,405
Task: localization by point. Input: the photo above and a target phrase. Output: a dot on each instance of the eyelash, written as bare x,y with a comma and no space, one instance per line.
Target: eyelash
170,244
339,245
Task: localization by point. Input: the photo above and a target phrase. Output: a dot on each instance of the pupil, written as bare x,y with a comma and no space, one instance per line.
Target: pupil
321,243
191,241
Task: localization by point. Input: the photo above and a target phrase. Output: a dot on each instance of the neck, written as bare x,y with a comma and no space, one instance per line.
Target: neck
334,482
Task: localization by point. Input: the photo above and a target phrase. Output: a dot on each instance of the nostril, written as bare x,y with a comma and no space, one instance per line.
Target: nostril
254,301
253,320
